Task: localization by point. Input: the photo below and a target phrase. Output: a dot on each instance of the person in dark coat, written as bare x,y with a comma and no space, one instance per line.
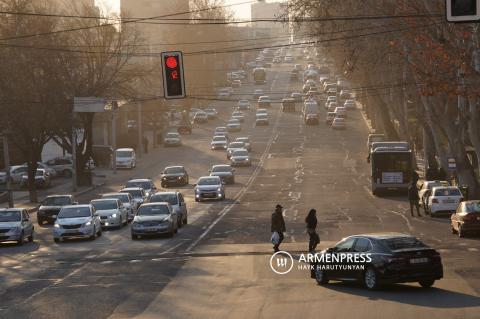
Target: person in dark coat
145,145
311,221
413,197
278,225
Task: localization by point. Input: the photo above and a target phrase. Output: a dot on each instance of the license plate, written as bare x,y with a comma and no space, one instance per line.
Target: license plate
449,201
418,260
150,230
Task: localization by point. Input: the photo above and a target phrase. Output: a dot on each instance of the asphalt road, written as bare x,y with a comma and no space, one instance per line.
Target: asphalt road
218,265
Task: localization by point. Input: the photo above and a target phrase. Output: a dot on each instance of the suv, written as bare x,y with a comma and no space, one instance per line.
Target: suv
62,166
209,187
51,205
15,225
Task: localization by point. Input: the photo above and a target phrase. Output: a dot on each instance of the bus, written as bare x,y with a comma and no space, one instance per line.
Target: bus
260,76
392,166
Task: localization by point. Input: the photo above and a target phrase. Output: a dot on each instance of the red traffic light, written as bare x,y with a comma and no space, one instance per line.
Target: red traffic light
172,62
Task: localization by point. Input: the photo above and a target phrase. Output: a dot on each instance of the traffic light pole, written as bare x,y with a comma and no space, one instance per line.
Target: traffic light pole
6,159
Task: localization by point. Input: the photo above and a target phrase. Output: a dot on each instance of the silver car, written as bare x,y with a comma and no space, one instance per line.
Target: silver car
127,201
77,221
15,225
209,187
172,139
138,194
112,212
176,200
154,219
240,157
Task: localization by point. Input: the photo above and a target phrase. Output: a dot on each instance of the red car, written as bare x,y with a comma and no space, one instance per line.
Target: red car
466,218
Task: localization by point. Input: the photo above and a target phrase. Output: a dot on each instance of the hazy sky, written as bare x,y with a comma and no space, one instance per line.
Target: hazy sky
241,11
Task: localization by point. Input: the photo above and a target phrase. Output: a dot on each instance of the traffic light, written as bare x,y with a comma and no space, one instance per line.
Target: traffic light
463,10
173,79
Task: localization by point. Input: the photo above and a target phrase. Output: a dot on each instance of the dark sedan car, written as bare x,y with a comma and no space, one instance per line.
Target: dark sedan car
392,258
51,205
466,218
174,175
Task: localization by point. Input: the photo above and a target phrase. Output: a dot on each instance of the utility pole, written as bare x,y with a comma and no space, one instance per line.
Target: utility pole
114,137
74,154
140,129
6,159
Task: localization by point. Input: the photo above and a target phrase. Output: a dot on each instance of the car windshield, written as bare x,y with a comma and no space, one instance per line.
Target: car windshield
261,116
172,135
10,216
216,169
144,185
74,212
237,114
169,198
209,181
122,197
473,207
403,243
57,201
240,153
135,193
447,192
174,170
124,153
104,204
153,210
219,139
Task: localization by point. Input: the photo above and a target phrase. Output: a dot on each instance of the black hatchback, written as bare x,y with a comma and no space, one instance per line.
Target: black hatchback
379,259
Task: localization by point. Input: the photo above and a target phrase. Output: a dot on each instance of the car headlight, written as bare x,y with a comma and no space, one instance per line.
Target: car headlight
88,223
219,189
56,225
113,216
180,177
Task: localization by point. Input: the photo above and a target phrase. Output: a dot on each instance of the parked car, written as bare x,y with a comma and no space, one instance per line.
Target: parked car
395,258
138,194
246,142
113,214
42,179
127,201
174,175
425,191
444,200
51,205
240,157
17,172
466,218
62,166
15,225
77,221
176,200
145,183
50,170
225,172
209,187
126,158
154,219
172,139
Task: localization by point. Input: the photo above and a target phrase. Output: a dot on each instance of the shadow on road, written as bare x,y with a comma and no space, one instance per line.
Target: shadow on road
406,294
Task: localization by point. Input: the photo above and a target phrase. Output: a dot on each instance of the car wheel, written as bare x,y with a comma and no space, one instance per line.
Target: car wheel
427,283
30,238
67,173
460,231
321,277
370,279
20,240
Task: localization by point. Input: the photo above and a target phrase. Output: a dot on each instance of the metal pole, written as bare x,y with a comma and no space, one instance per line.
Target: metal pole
74,155
6,159
114,141
140,129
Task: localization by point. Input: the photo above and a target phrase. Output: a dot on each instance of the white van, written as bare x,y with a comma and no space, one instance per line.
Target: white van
125,158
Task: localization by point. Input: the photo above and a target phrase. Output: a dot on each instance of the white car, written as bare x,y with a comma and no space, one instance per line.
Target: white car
425,191
444,200
234,125
15,225
200,117
246,142
332,106
262,112
261,120
338,123
127,201
350,105
243,105
234,146
172,139
264,101
224,92
240,157
237,115
340,112
112,212
220,129
257,93
77,221
125,158
219,143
